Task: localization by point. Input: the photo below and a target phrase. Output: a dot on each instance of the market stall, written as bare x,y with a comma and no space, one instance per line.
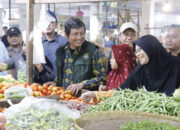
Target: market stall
122,107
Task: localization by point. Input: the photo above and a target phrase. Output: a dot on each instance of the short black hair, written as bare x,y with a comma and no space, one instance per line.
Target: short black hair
5,27
74,23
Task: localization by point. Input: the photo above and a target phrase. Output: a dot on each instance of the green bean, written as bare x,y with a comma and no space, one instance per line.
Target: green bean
140,100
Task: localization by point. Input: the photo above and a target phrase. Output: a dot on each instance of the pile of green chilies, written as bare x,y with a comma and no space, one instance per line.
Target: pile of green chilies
140,100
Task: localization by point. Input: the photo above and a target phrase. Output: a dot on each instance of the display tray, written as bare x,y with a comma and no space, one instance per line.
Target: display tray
112,120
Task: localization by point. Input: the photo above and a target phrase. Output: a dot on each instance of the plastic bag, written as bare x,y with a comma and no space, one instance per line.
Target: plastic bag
2,122
40,113
17,92
38,51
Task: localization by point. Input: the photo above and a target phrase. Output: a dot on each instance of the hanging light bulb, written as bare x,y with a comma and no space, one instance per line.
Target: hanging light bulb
166,7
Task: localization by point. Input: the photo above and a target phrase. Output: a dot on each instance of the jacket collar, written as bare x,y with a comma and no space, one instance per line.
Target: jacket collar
55,38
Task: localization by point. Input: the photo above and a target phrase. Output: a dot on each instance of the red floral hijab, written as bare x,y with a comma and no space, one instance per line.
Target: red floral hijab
126,61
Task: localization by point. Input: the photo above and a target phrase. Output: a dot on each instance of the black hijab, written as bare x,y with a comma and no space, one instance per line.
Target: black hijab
161,74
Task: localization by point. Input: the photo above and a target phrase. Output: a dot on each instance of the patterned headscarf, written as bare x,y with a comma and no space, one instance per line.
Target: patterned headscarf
126,62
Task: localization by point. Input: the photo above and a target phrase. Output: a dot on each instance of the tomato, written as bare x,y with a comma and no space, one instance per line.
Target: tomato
33,93
68,91
1,110
45,86
53,93
16,83
1,91
3,88
26,85
49,92
68,96
34,87
54,89
58,92
40,88
3,83
62,97
62,91
37,93
41,94
44,91
50,87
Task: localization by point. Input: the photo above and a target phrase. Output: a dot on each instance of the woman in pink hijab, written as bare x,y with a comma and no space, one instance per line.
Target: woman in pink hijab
123,61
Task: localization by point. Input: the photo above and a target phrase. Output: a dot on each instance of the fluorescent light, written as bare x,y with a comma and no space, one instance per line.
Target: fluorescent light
166,7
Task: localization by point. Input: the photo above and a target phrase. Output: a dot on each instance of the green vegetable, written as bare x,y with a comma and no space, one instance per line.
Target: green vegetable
6,67
16,92
140,100
38,119
176,95
21,76
7,78
147,125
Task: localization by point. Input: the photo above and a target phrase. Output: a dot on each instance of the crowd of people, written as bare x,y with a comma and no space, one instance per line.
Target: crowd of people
75,63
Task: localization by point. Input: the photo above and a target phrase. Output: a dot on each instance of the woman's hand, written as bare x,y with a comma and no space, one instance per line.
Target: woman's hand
86,97
103,88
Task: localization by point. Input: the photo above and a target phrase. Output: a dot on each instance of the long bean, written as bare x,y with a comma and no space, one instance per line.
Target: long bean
140,100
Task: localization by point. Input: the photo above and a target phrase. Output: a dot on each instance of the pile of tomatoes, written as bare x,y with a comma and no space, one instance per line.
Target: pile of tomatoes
41,90
45,90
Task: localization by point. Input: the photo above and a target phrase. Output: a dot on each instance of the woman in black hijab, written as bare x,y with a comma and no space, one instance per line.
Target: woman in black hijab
158,71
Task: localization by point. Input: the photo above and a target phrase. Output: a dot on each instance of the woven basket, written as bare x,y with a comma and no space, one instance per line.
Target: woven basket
112,120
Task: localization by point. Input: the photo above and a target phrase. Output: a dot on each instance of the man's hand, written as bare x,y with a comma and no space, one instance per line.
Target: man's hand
75,88
86,97
103,88
2,66
39,67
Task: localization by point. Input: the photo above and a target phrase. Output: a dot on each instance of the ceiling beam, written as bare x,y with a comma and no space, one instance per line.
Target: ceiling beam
71,1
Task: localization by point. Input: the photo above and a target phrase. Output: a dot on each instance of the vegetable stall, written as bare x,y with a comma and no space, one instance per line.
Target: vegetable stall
124,109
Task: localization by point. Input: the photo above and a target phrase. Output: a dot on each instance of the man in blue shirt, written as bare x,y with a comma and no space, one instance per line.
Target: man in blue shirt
51,41
4,38
3,56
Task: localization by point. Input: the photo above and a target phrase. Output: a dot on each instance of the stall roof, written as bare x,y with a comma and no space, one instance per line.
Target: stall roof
63,1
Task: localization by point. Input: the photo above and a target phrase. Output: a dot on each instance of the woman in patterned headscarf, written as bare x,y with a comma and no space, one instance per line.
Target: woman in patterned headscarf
123,61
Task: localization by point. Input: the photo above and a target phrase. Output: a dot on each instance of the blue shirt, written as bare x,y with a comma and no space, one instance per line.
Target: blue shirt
3,56
109,43
50,48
